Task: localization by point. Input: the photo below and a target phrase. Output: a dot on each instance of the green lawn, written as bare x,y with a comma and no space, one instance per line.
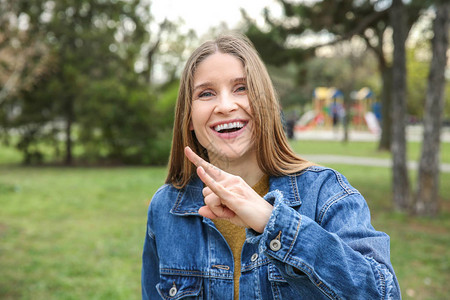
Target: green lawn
73,233
77,233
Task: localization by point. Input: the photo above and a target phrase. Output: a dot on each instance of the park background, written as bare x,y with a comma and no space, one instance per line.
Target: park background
87,94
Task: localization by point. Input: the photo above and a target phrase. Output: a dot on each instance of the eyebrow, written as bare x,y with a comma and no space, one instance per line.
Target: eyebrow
205,84
239,80
209,83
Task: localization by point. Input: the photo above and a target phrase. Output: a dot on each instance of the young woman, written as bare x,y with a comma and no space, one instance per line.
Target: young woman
241,216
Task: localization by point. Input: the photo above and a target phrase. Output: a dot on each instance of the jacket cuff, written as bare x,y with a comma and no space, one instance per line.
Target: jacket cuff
384,277
281,231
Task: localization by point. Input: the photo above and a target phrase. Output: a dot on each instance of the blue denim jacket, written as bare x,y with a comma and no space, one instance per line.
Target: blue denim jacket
318,244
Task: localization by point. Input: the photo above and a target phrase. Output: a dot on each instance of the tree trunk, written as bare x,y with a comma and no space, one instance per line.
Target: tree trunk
150,55
69,122
385,69
401,192
426,200
386,107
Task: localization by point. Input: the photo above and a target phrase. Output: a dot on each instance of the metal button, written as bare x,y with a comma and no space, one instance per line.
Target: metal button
173,291
275,245
254,257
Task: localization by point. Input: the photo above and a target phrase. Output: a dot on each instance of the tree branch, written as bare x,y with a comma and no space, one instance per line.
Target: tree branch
358,30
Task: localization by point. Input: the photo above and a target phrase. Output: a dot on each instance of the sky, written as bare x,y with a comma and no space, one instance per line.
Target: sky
200,15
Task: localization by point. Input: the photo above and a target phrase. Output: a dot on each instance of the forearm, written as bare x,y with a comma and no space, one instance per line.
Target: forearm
342,264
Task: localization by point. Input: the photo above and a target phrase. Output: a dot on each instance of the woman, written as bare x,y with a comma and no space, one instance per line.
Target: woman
241,216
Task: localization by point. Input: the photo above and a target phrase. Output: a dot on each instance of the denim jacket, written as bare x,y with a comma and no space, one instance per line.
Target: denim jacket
318,244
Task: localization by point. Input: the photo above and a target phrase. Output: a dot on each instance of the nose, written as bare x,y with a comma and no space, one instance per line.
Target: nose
226,103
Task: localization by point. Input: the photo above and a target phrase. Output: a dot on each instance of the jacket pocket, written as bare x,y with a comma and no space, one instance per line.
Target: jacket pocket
279,286
275,275
180,287
299,286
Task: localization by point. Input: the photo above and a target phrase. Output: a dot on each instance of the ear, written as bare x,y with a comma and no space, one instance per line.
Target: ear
191,126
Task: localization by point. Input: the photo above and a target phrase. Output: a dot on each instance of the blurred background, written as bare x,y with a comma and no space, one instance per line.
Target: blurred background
87,96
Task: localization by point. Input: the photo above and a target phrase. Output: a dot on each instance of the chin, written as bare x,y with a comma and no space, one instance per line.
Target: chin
229,153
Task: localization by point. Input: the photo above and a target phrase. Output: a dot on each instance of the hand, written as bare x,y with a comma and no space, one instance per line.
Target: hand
229,197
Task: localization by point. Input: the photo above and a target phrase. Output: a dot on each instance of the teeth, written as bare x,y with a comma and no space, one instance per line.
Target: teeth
231,125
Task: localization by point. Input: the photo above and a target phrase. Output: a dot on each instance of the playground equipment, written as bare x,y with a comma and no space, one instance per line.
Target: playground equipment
365,110
328,110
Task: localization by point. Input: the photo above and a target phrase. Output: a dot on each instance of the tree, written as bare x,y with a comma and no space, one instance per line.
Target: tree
412,11
426,199
173,50
401,189
94,46
93,39
341,20
23,55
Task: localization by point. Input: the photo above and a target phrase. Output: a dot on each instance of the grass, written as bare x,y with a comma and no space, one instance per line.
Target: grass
73,233
77,233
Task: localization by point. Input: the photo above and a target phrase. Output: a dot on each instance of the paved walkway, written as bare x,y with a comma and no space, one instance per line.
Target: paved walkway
413,133
362,161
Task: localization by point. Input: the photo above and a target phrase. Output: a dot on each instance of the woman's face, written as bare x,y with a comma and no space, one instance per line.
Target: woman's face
221,114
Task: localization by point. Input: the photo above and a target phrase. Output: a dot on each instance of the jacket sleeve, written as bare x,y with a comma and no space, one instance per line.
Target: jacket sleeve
340,254
150,267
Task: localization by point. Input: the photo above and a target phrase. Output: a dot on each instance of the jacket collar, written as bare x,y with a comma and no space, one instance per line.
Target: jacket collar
190,198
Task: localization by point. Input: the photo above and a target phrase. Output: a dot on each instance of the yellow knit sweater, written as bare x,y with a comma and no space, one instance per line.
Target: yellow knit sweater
235,235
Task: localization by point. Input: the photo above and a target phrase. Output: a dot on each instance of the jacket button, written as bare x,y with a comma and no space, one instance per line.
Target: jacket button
254,257
173,291
275,245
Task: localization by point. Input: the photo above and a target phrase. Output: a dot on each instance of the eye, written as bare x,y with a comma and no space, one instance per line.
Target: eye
205,94
241,89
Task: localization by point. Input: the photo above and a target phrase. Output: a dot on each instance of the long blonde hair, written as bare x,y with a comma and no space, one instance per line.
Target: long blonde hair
274,155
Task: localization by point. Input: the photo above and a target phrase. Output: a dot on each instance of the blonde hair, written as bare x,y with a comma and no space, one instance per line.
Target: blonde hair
274,155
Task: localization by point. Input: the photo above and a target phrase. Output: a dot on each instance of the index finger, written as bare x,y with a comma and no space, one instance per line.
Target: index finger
209,168
212,184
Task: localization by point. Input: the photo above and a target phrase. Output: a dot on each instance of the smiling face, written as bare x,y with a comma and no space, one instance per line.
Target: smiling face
221,114
260,145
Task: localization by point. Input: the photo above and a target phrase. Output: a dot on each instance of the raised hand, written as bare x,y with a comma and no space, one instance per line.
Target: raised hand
229,197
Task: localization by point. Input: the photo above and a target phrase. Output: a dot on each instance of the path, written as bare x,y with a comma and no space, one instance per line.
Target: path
413,133
362,161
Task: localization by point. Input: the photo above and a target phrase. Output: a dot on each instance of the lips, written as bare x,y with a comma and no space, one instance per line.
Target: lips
229,129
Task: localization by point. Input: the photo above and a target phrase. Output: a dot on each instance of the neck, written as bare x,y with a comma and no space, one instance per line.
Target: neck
245,167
